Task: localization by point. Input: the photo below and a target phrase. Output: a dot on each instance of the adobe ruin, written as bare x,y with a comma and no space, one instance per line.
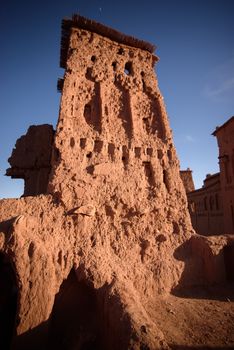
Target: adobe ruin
103,225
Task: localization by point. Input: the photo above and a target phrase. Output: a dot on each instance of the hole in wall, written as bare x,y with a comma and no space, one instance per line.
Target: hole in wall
88,74
160,154
60,257
138,152
90,169
98,144
89,155
31,250
114,65
82,143
93,58
149,151
120,51
72,142
111,151
87,111
125,156
128,68
106,110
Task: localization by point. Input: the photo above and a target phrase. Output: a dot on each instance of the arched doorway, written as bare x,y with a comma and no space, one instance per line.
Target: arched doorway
8,302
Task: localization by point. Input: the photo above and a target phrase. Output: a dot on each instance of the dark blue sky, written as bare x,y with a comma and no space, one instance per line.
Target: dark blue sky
195,43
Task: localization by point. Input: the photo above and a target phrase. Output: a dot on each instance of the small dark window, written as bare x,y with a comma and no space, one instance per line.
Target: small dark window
120,51
89,155
93,58
72,142
114,64
128,68
149,151
82,143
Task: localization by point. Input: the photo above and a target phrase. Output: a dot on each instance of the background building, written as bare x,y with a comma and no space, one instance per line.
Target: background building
212,206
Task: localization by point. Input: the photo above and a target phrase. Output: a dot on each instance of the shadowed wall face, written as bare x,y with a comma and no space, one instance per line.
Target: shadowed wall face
8,302
74,320
229,262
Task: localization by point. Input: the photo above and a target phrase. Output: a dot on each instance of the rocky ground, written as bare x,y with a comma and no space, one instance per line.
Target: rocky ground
197,319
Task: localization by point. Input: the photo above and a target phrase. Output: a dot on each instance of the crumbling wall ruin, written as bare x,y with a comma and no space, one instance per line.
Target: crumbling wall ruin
31,159
109,227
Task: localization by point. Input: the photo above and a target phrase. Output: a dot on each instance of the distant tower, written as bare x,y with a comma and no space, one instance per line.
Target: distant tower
187,178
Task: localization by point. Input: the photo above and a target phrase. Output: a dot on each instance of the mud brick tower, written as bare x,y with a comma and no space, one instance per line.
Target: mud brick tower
113,149
88,251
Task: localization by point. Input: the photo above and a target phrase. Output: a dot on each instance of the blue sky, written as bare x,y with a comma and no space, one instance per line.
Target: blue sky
195,43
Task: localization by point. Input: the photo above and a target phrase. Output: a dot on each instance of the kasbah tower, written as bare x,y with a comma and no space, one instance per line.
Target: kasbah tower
112,224
114,154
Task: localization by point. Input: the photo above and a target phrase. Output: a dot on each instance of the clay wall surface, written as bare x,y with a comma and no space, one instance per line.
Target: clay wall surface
225,139
30,159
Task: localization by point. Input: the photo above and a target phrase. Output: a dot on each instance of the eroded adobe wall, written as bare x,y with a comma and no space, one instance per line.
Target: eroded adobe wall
114,154
42,243
42,257
31,159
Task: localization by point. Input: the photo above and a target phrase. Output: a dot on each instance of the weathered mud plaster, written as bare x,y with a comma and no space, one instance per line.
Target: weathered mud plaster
31,159
114,214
